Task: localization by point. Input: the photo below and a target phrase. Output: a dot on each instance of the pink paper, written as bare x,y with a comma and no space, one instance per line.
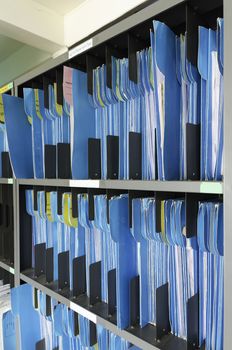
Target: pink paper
67,85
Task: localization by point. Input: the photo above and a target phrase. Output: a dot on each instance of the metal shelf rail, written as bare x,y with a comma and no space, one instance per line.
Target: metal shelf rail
210,187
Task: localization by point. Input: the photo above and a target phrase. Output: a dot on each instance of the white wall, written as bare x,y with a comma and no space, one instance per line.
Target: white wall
31,23
21,61
92,15
48,32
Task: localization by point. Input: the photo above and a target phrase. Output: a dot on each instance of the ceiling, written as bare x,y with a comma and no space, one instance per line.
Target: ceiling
60,6
8,47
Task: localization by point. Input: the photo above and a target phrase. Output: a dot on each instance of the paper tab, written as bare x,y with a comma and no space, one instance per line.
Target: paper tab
80,48
2,117
6,87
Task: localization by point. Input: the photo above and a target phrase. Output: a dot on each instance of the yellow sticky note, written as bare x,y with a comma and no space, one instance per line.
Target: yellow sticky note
98,89
37,107
163,221
48,207
2,116
67,205
65,208
29,119
6,88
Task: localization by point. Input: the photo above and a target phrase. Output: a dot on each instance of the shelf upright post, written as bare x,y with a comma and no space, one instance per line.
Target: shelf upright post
16,233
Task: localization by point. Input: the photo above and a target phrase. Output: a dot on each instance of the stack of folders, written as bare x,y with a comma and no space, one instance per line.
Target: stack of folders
7,320
165,260
211,273
189,265
39,331
173,105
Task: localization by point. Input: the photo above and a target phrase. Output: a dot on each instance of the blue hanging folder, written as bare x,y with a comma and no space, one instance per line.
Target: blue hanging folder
9,334
37,130
108,246
210,66
211,274
167,97
125,252
84,125
27,315
19,137
142,260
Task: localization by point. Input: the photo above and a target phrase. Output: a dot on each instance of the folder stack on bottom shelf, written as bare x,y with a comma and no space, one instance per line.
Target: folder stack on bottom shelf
211,273
59,330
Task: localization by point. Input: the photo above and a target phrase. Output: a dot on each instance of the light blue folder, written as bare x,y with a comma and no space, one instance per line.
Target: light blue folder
101,117
190,103
47,121
102,337
210,63
108,246
93,251
126,247
8,331
148,111
152,257
19,137
167,99
163,257
211,274
84,329
84,125
27,315
37,132
119,108
220,51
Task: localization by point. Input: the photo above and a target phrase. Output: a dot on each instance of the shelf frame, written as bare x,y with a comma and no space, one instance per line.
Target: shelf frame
210,187
7,267
224,188
6,181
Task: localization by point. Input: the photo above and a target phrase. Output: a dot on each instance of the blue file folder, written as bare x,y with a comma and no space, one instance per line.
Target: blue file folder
19,137
27,315
167,99
84,125
126,247
31,101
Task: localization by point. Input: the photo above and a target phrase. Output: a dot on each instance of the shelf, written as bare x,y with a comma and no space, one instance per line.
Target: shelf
143,338
211,187
4,264
6,181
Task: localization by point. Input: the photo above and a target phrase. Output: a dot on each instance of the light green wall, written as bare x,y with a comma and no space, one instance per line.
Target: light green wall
20,62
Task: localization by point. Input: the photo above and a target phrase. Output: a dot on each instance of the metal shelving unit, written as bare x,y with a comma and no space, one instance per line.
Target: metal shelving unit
205,187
